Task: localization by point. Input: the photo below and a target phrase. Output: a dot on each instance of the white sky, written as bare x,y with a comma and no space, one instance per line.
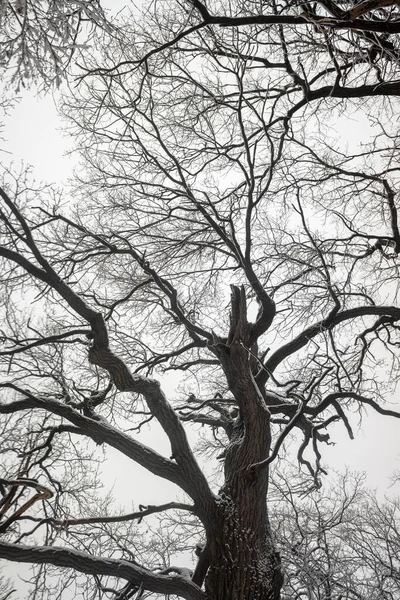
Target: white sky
33,135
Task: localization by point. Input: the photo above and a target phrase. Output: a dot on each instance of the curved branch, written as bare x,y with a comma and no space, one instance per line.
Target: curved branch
102,432
161,358
44,341
42,493
267,308
280,440
310,332
190,476
96,565
335,23
331,398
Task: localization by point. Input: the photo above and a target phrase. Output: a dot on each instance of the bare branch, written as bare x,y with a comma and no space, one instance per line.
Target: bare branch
95,565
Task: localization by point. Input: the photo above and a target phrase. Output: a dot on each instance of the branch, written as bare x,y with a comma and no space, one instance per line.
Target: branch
305,336
148,510
280,439
51,339
267,308
102,432
201,7
391,88
161,358
96,565
331,398
202,566
332,23
336,23
163,284
42,493
191,477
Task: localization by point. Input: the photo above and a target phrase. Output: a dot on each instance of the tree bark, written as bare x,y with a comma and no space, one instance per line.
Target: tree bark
243,562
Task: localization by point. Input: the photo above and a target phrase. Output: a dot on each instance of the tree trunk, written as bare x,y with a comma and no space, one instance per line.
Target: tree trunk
243,562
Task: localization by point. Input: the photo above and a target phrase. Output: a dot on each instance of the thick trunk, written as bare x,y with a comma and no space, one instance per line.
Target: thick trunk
243,562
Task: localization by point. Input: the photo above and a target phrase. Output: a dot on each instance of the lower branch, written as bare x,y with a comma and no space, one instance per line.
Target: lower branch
95,565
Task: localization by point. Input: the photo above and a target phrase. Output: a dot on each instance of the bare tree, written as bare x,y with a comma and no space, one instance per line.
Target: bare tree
338,543
219,230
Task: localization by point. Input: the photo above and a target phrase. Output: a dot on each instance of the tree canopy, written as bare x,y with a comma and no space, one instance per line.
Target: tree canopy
222,226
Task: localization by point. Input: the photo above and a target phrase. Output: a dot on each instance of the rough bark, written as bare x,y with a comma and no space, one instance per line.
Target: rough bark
243,562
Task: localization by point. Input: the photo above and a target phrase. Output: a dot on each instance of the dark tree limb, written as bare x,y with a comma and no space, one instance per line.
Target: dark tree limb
191,476
51,339
334,397
95,565
203,563
134,516
102,432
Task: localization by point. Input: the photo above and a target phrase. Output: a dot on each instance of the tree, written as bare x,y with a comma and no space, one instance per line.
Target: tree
219,231
38,39
339,543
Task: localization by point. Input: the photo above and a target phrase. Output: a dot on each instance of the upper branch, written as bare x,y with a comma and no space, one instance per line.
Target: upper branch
310,332
332,398
332,23
194,331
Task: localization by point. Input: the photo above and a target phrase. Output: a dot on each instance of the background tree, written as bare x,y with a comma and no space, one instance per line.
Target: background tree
219,230
341,542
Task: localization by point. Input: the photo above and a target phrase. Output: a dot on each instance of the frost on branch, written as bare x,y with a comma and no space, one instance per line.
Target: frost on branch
40,38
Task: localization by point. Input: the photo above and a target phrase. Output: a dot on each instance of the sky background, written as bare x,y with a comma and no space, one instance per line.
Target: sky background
33,135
